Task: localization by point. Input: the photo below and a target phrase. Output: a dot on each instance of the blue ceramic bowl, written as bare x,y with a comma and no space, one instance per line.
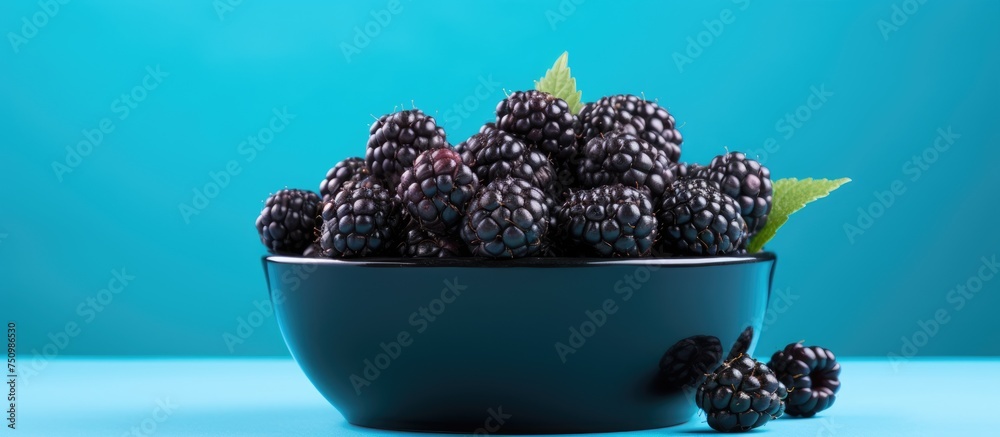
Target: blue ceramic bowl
544,345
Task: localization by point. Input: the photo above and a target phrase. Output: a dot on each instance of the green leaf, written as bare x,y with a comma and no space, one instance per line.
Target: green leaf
560,83
791,195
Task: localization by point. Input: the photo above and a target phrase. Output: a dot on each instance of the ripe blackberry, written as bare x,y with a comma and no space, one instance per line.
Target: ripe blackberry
396,140
625,159
812,375
696,219
361,220
507,219
600,118
742,344
609,221
689,184
747,181
688,361
741,395
437,188
542,121
313,251
287,224
350,169
633,115
494,154
690,171
418,243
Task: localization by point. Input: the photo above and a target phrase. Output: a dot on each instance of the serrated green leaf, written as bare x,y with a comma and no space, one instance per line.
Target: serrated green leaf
560,83
791,195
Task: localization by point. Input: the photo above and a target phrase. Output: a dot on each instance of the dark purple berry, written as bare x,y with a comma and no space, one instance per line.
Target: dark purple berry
696,219
396,140
350,169
812,375
507,219
361,220
609,221
287,224
436,190
741,395
746,181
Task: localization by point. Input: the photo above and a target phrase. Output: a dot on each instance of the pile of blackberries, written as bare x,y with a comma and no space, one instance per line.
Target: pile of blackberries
537,181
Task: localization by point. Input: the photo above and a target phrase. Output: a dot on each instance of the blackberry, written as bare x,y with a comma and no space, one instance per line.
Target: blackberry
609,221
661,143
696,219
361,220
689,184
812,375
626,159
747,181
688,361
494,154
396,140
437,188
542,121
633,115
418,243
507,219
287,224
741,395
690,171
350,169
600,118
313,251
742,344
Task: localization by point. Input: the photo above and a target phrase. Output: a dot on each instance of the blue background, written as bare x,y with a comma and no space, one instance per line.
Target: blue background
62,234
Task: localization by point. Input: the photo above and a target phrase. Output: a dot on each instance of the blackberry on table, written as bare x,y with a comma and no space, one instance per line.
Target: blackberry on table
396,140
812,375
625,159
361,220
609,221
287,223
436,190
507,219
350,169
741,395
542,121
494,154
696,219
747,181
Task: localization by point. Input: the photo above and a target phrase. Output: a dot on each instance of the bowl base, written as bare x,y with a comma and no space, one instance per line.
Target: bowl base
482,428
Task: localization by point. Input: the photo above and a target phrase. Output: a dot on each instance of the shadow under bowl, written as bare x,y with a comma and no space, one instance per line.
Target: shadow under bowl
540,345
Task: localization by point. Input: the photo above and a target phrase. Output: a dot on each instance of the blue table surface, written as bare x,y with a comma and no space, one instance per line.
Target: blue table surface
271,397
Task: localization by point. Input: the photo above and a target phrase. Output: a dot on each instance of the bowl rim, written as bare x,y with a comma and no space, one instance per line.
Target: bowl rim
530,262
